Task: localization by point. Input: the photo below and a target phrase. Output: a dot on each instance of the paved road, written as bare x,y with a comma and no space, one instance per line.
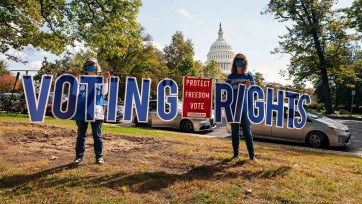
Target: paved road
354,147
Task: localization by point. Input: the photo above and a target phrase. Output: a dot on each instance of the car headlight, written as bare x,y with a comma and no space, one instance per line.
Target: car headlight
334,128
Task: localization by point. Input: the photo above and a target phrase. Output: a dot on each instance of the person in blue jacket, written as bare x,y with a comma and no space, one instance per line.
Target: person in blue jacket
239,75
91,67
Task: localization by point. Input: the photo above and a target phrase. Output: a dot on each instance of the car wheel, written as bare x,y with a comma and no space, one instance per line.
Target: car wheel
186,126
317,140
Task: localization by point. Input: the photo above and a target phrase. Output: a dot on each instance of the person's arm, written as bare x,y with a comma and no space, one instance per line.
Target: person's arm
252,79
228,79
105,83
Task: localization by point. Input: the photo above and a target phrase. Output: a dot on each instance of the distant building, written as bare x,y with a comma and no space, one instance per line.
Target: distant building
221,52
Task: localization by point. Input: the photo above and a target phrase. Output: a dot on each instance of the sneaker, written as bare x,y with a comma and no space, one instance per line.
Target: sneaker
235,157
100,161
253,159
77,161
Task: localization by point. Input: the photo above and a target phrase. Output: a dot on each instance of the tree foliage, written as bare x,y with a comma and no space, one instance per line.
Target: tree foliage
317,42
107,27
259,78
7,82
177,51
212,70
355,15
3,68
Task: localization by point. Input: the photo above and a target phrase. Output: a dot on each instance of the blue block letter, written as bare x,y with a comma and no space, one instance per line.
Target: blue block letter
171,99
133,99
36,106
58,99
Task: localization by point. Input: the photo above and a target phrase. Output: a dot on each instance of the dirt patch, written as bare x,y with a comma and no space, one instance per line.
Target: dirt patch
24,142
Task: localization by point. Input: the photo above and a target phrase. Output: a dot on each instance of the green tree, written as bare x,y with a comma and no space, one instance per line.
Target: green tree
179,59
212,70
138,61
3,68
355,15
259,78
177,51
107,27
198,66
316,34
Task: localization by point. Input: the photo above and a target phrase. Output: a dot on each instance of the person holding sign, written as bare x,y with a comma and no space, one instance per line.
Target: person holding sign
239,76
91,67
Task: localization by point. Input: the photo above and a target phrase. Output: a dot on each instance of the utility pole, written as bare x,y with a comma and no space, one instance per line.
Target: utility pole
353,93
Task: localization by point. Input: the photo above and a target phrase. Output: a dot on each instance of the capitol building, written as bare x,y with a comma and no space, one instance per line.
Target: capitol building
221,52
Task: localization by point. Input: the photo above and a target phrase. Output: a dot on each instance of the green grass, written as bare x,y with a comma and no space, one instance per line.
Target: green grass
176,168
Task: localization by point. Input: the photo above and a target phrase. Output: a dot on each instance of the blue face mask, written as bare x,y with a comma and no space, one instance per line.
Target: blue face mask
239,63
90,68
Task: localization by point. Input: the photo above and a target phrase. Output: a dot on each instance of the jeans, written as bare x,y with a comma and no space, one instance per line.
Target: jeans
235,130
97,137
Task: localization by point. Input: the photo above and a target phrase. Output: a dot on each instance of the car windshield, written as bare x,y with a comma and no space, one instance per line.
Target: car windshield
313,114
16,96
50,96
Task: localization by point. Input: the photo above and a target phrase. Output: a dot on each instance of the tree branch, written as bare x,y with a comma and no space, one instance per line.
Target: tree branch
48,21
91,10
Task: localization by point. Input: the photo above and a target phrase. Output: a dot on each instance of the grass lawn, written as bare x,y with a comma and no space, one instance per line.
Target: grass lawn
149,166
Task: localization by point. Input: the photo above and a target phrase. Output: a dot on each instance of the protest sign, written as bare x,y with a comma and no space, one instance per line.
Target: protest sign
197,97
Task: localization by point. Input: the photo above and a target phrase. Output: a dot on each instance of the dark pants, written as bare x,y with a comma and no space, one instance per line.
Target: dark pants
235,131
97,136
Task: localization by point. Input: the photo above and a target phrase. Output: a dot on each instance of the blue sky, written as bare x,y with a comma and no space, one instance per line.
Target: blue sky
244,28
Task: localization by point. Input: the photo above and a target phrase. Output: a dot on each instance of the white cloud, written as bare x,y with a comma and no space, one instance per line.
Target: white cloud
157,45
77,48
36,65
183,12
43,53
3,57
197,58
16,53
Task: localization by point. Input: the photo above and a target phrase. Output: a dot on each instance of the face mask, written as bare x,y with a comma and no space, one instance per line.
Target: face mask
90,68
239,63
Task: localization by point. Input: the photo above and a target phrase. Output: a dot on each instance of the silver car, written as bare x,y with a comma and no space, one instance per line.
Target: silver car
184,125
319,131
119,112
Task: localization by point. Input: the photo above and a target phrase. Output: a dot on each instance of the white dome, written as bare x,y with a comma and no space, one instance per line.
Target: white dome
221,52
220,45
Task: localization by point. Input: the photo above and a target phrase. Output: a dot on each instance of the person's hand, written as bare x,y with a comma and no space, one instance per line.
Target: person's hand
76,74
106,75
247,83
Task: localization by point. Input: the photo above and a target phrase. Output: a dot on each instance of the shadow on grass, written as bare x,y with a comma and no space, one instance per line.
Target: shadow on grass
140,182
19,180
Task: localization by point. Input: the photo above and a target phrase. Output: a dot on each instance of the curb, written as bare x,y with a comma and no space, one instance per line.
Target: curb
323,151
343,118
310,149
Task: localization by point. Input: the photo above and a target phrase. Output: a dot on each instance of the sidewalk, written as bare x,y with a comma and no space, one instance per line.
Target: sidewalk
343,117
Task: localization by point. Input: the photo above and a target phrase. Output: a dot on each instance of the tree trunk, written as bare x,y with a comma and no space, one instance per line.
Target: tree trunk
326,91
323,70
313,25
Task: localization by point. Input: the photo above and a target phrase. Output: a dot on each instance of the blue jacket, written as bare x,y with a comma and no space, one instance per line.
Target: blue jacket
80,114
234,80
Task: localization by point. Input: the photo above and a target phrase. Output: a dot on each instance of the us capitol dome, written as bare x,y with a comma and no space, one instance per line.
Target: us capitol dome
221,52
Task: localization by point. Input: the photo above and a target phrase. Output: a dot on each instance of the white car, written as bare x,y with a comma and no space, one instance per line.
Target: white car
319,131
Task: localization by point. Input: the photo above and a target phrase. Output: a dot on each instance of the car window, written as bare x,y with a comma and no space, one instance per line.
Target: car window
50,96
313,114
153,106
